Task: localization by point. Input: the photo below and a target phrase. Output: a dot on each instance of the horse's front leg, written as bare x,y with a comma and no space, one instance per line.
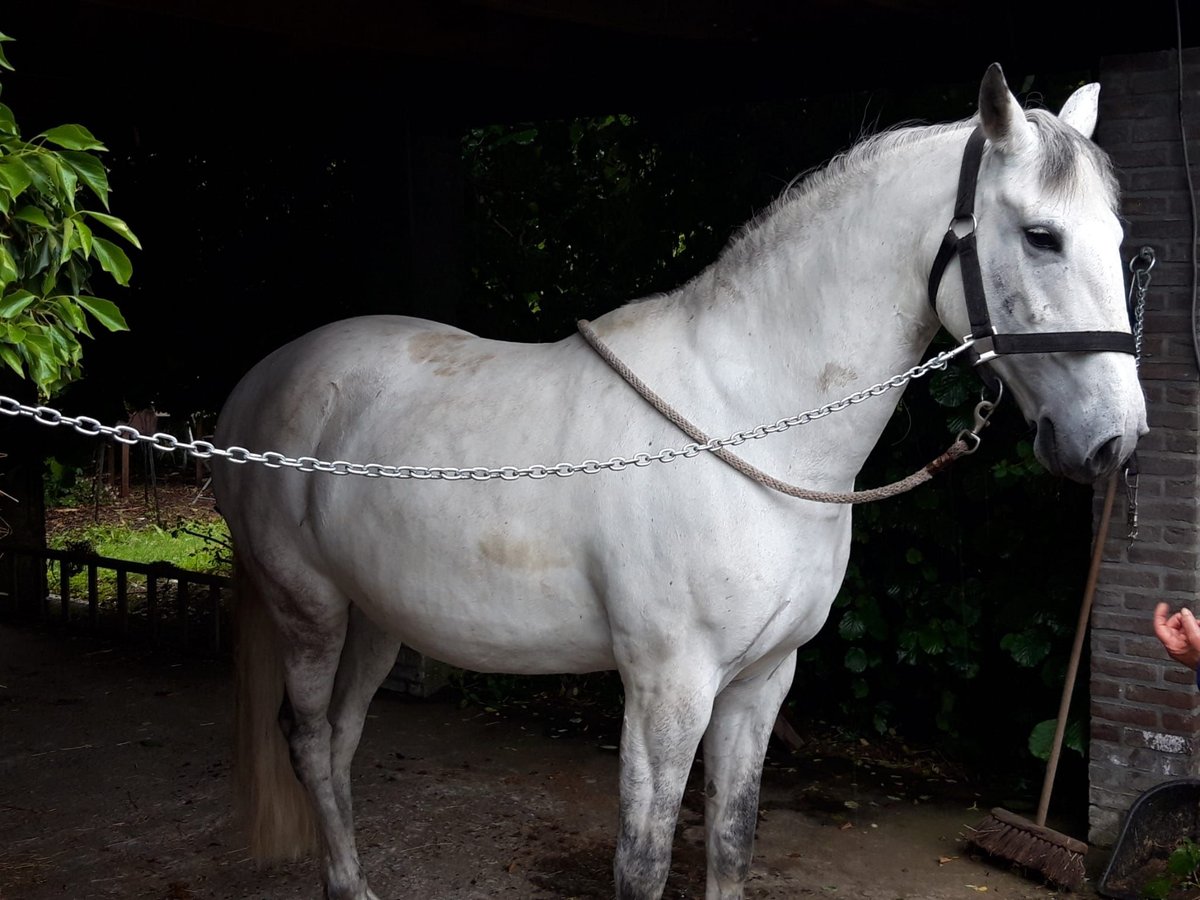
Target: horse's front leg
666,713
734,747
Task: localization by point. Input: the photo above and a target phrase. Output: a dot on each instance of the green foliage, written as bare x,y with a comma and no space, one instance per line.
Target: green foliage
1183,873
49,251
569,218
64,485
213,553
1041,738
553,202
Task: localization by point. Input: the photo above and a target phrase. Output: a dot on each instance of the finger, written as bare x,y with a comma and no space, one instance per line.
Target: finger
1166,629
1191,628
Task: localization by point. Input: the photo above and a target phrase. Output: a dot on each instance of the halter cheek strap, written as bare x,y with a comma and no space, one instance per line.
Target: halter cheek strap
987,344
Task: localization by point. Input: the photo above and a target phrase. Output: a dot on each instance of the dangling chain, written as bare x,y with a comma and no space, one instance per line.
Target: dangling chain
1140,266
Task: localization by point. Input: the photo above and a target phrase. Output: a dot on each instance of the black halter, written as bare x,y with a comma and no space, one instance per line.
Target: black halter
987,343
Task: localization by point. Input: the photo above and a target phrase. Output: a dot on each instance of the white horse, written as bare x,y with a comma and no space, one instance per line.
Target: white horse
694,582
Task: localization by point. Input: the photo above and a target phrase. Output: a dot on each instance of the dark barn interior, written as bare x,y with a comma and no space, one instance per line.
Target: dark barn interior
301,162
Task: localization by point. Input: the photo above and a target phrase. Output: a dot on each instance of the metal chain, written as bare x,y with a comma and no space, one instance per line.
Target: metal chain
1140,265
1139,285
126,434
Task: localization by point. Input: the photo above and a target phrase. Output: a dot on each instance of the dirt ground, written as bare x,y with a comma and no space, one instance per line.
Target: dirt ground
171,500
114,783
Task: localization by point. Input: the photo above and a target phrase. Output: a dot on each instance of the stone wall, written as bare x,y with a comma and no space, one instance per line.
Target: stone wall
1144,723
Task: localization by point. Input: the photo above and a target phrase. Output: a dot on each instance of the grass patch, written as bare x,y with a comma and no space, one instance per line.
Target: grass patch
199,546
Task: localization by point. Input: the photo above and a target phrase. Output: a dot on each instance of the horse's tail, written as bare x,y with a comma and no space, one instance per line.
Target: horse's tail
273,805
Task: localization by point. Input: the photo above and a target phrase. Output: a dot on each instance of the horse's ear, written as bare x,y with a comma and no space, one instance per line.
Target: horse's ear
1080,109
1003,119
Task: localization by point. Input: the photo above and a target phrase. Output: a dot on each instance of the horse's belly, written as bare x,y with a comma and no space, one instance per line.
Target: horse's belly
539,631
483,602
570,594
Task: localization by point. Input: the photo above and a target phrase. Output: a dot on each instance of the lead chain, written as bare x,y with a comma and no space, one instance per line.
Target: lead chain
126,434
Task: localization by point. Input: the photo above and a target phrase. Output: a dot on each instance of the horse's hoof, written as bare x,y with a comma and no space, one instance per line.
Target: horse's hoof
366,894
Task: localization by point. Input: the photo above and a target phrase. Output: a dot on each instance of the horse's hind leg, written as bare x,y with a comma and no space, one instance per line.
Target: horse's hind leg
367,657
313,622
665,717
734,747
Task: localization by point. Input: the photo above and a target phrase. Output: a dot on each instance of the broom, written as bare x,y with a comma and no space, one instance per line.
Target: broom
1003,834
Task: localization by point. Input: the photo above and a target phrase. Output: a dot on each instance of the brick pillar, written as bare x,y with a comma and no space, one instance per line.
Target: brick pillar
1145,725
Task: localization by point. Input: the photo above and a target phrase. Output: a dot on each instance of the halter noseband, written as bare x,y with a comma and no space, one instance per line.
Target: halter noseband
986,343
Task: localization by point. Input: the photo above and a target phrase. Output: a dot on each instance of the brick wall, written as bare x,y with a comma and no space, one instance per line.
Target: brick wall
1145,709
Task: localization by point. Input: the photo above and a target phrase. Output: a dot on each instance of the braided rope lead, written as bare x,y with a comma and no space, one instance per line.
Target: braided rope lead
961,447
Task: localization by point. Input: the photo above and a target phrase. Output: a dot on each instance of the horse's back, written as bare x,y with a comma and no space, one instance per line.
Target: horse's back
278,397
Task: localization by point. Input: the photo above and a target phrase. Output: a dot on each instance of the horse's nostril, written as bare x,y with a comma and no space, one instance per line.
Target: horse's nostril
1106,456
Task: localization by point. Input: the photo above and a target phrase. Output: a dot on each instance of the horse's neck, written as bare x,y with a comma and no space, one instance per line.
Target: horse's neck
821,298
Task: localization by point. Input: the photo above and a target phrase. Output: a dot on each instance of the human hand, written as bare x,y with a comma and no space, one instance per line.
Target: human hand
1179,634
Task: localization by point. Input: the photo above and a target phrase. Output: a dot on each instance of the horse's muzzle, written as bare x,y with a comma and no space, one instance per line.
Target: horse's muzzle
1076,463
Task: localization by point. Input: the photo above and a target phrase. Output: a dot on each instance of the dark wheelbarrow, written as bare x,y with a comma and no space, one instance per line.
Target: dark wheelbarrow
1157,822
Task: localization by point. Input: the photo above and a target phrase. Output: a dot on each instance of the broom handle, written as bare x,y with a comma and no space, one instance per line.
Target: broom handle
1085,612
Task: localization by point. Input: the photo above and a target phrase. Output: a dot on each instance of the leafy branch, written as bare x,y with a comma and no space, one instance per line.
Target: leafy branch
48,249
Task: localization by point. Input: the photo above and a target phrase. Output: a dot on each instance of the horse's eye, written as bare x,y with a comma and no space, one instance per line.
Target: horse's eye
1042,238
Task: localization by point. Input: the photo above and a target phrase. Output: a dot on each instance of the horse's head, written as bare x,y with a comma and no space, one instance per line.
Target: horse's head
1048,243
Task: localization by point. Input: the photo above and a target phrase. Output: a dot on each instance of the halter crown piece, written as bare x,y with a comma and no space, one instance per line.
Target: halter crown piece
986,343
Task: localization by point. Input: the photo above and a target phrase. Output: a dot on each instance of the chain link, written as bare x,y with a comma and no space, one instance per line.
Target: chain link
126,434
1139,285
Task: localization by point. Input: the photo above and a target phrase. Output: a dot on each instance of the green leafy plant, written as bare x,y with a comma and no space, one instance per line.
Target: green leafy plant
48,251
214,553
1041,739
64,484
1182,875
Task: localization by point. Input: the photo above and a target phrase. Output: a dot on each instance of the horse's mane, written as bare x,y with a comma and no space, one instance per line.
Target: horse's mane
1061,148
858,159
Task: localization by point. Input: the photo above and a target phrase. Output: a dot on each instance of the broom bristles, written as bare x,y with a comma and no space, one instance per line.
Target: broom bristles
1057,857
